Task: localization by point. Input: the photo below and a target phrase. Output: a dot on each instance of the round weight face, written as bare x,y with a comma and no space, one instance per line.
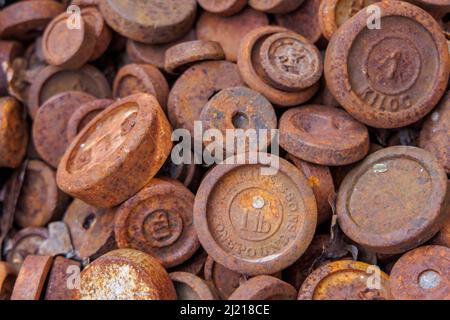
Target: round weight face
344,280
52,80
243,217
38,200
290,62
259,73
68,47
323,135
241,108
405,180
195,87
158,220
50,125
391,77
422,274
117,153
163,21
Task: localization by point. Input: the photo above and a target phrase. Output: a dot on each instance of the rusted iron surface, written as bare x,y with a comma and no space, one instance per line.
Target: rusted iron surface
126,274
264,288
388,78
345,280
323,135
158,220
271,218
181,56
30,281
422,274
251,66
408,181
104,173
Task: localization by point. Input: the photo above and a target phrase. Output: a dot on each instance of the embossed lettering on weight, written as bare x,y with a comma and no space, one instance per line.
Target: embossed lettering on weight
383,102
392,68
258,224
162,228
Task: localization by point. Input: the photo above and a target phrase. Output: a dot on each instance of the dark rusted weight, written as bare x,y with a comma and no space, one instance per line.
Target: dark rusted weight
435,134
406,180
188,174
181,56
223,280
31,278
50,124
141,78
126,274
264,288
323,135
158,220
154,53
13,133
190,287
58,241
241,108
422,274
9,51
40,201
195,87
391,77
84,114
313,256
68,47
254,223
194,265
304,20
8,276
91,229
275,6
333,13
59,280
53,80
223,7
289,62
250,65
149,21
24,243
229,31
117,153
321,182
93,17
26,19
345,280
